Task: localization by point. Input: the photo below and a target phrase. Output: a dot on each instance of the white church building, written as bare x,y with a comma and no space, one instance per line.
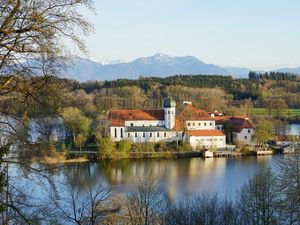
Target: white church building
192,125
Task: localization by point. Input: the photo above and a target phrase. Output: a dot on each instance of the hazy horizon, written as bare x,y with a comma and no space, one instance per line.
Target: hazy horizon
253,34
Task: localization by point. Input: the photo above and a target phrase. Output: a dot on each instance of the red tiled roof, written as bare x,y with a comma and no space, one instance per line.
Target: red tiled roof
191,113
221,120
281,137
118,117
238,122
205,133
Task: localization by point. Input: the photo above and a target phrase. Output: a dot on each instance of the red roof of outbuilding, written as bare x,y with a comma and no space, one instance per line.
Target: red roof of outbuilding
205,133
238,122
118,117
281,137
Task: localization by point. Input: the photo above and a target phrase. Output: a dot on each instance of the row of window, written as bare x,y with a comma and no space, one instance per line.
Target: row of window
199,124
150,134
171,112
143,125
209,139
116,133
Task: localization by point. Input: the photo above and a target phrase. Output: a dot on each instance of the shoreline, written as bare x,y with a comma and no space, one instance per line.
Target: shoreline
144,155
60,160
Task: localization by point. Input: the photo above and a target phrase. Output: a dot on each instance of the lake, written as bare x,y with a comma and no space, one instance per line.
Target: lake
294,128
179,178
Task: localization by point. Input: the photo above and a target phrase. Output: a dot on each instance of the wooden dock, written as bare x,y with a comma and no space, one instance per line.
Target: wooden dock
264,152
226,154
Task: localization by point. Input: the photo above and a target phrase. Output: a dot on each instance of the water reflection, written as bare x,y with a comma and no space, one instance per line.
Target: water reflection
179,177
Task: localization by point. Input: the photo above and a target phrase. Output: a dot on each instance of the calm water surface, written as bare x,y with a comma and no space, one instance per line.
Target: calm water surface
179,177
294,128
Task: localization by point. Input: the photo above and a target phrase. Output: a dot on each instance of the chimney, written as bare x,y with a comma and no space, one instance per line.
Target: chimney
187,102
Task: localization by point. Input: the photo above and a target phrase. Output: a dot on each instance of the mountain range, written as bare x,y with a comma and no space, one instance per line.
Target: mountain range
159,65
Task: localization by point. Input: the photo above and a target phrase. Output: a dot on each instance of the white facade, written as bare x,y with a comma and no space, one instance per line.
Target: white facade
207,142
219,127
138,137
200,125
121,133
244,137
117,133
169,117
141,123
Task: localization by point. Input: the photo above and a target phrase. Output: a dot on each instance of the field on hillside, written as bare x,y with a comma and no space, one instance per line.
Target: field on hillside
293,113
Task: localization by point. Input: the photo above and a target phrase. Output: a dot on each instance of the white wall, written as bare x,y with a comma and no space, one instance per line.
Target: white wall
219,127
138,137
207,142
146,123
115,133
169,117
244,137
200,125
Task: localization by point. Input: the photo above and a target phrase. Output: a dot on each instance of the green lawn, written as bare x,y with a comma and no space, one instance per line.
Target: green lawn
264,111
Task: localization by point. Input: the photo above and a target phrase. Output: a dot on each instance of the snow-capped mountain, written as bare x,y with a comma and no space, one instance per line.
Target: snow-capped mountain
159,65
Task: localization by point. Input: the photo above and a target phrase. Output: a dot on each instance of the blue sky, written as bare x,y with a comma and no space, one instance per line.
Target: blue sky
259,34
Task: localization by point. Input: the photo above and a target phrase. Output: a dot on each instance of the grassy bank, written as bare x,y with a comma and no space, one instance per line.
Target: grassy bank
60,159
287,113
153,155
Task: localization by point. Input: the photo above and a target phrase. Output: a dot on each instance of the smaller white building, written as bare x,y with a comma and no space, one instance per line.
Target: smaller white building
238,128
206,139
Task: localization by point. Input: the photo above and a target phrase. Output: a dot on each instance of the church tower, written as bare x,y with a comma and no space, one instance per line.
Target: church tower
169,106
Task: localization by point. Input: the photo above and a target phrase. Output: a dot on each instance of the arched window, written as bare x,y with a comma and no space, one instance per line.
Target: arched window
143,134
150,134
168,111
165,134
116,134
135,134
131,124
157,134
121,132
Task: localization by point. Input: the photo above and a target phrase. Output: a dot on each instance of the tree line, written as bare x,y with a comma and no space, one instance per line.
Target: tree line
273,76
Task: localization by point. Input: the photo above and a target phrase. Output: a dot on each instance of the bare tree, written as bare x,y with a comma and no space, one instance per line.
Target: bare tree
91,206
259,200
288,175
33,36
146,205
204,209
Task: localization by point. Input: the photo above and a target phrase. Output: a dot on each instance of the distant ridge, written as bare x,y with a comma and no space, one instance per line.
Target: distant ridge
158,65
